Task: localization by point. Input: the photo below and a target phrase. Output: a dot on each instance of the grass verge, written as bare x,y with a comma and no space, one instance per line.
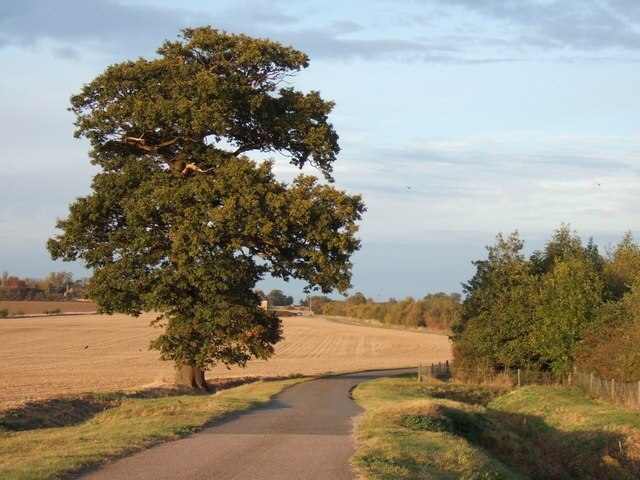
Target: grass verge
444,430
403,437
135,424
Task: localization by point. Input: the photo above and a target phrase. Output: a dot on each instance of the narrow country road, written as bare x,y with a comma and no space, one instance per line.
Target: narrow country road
305,433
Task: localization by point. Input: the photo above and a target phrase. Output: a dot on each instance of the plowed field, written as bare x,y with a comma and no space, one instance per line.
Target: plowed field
51,356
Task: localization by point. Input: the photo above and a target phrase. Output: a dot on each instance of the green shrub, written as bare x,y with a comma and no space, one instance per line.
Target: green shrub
429,423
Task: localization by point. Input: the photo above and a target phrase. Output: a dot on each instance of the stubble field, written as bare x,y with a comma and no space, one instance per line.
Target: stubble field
47,357
42,307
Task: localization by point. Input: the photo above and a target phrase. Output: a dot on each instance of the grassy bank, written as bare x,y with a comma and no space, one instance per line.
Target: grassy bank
443,431
132,425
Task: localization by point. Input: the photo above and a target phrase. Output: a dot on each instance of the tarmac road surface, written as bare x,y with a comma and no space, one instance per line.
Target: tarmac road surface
305,433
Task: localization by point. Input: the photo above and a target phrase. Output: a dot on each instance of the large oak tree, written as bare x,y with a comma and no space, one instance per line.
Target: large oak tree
180,221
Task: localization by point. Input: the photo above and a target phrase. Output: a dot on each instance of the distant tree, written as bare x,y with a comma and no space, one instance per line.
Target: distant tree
609,345
570,296
565,243
278,299
530,313
479,290
180,221
438,310
16,282
317,302
498,314
623,266
58,282
356,299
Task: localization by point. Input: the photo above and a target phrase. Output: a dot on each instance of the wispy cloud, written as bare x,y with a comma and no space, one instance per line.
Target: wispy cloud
28,22
490,183
585,25
438,31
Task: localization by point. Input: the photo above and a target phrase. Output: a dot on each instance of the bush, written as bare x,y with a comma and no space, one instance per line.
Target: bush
426,422
4,313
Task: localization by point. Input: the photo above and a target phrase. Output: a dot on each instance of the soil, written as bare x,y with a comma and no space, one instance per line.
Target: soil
42,307
48,357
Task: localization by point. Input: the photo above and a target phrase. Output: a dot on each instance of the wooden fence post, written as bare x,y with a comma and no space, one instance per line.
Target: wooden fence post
519,384
420,372
613,386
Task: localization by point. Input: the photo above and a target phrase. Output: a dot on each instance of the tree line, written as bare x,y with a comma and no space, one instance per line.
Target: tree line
276,298
439,310
565,306
55,286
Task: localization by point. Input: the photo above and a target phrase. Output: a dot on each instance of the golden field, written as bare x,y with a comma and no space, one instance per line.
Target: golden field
45,357
40,307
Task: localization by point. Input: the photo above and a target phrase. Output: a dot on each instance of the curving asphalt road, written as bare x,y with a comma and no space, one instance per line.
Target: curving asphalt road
304,433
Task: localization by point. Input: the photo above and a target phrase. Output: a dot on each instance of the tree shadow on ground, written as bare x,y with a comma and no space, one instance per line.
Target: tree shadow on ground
526,442
74,410
538,450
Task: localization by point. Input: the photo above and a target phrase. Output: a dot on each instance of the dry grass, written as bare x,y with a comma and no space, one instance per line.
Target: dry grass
132,425
53,356
442,430
39,308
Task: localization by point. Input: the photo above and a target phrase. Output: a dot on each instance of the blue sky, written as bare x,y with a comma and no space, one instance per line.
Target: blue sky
458,119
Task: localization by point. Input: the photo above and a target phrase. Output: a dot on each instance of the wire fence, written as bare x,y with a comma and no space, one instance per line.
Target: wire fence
620,393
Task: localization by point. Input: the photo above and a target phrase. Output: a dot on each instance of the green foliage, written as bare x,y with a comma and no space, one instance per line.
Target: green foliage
316,302
440,430
407,434
498,313
180,221
429,423
623,266
544,311
439,310
609,346
278,299
4,312
570,294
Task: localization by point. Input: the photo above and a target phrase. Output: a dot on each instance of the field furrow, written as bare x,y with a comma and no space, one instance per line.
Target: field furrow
49,356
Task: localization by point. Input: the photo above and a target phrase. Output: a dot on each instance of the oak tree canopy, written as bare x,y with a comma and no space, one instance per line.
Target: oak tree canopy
180,220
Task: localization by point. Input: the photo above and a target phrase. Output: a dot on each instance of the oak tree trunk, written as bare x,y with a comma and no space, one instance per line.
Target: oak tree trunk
192,377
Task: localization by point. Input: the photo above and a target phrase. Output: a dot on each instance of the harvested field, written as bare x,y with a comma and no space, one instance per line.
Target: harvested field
47,357
39,308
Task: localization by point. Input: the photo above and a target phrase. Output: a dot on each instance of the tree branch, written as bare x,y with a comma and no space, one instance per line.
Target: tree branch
194,168
251,146
140,142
